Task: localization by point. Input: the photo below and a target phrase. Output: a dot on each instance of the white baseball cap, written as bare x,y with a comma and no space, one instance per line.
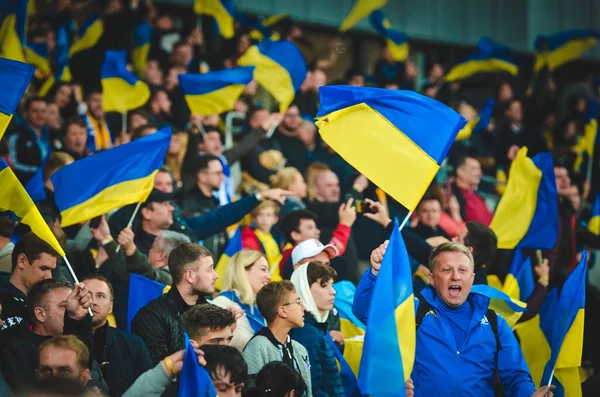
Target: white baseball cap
310,248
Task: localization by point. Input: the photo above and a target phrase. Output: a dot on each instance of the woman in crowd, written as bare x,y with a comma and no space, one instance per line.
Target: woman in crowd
246,274
314,283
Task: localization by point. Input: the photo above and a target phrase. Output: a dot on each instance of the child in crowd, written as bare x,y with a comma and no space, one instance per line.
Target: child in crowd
258,237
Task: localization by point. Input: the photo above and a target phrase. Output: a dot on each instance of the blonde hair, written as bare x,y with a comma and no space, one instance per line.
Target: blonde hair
312,173
264,205
284,178
235,275
69,342
450,247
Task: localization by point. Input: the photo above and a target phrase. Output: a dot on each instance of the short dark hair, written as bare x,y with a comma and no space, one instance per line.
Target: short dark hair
56,161
202,162
484,242
99,277
278,379
91,92
32,247
39,291
291,223
7,226
271,296
139,131
317,271
182,256
350,73
29,101
463,160
73,120
204,318
430,197
229,359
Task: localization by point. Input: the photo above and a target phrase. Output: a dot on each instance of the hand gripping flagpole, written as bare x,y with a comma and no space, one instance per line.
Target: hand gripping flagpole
75,278
137,208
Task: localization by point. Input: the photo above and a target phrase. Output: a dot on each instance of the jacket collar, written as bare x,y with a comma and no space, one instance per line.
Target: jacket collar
180,303
479,302
8,288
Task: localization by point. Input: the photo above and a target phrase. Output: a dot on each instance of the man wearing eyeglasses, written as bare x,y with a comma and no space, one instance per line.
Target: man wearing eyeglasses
282,308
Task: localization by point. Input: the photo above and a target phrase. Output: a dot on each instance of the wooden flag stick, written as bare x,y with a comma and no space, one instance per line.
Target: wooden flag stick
137,207
75,278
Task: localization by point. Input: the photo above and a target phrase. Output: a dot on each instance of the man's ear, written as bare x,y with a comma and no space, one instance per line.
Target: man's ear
282,312
40,314
22,261
85,376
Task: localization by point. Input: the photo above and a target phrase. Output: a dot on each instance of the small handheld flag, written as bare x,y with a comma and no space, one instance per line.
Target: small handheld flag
122,91
360,9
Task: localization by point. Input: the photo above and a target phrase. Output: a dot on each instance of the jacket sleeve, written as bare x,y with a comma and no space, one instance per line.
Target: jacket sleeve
340,238
244,146
81,329
142,362
218,219
512,368
415,245
151,383
138,263
151,328
255,356
362,296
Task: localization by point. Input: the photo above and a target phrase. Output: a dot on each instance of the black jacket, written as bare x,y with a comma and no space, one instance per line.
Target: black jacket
123,358
14,309
160,326
26,151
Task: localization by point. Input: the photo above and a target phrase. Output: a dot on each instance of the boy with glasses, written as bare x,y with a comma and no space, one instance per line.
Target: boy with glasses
283,310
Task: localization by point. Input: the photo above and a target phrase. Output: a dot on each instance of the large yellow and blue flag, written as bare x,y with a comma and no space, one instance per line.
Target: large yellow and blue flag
562,47
142,37
233,247
360,9
397,42
527,214
397,139
594,223
566,339
510,309
222,10
109,180
390,341
122,91
36,54
479,123
13,19
491,57
88,34
195,379
142,290
14,198
214,92
519,282
279,68
585,145
15,77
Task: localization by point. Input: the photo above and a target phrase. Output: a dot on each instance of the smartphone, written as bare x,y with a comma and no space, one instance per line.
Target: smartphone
94,223
363,207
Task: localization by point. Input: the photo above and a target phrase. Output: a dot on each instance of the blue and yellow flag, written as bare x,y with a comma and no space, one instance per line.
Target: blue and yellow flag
397,42
142,291
88,35
15,77
279,68
233,247
566,340
397,139
222,10
142,37
586,143
261,29
15,199
390,342
195,379
63,69
360,10
491,57
110,179
122,91
344,298
562,47
214,92
510,309
519,282
527,214
36,54
13,17
479,123
594,223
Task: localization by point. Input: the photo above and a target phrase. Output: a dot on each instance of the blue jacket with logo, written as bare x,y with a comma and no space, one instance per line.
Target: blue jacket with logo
444,369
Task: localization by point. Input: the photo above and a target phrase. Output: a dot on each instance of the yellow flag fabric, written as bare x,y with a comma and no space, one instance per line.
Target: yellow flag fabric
361,9
14,198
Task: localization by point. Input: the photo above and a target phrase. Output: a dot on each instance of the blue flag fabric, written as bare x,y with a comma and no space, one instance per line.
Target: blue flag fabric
142,290
195,380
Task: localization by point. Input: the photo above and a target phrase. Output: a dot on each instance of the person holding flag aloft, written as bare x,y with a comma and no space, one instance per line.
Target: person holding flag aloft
458,338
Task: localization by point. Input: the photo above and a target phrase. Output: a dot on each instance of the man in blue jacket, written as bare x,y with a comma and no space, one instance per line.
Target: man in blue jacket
461,344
